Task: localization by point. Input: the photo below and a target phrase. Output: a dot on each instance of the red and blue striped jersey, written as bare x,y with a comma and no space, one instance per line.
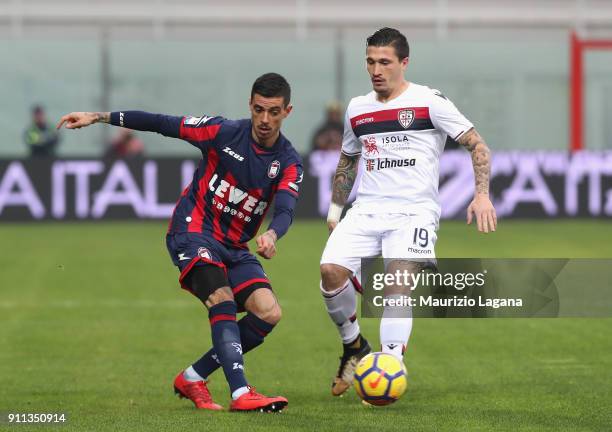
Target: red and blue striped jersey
236,180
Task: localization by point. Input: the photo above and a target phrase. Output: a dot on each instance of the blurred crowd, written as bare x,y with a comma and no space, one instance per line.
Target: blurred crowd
328,135
42,140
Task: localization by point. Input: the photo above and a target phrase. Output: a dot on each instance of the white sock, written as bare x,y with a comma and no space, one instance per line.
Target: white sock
342,308
191,375
239,392
395,328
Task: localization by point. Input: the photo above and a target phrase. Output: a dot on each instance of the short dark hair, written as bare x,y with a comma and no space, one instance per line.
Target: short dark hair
272,85
389,36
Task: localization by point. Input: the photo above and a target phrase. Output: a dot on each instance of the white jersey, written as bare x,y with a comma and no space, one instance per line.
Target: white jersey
400,142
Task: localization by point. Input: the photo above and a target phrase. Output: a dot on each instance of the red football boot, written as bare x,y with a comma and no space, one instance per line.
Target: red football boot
253,401
196,391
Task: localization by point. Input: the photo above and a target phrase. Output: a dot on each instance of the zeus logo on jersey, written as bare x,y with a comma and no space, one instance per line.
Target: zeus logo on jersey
380,164
230,194
232,153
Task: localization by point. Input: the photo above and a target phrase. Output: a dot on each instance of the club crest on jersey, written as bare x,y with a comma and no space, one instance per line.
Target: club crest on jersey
405,117
204,253
369,143
274,169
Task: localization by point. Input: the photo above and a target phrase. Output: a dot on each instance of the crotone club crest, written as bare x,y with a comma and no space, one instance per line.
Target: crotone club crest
204,253
274,169
405,117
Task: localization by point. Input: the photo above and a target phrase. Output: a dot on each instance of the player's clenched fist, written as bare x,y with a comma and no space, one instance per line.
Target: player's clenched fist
266,244
76,120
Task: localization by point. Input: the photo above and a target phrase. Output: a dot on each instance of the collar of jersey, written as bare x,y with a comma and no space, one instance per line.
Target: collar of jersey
259,149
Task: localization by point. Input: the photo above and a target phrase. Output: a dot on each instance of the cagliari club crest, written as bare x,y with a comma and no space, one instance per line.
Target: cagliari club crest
405,117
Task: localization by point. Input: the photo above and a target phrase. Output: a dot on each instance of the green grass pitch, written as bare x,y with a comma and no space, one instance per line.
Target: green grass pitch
92,323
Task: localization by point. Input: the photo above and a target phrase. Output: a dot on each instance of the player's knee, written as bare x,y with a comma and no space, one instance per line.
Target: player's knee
272,315
333,276
219,295
268,311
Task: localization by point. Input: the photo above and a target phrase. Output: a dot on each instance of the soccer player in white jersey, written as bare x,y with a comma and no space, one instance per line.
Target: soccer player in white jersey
400,129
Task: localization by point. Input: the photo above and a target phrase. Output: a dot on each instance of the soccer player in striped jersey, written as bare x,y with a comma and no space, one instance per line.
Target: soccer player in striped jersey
245,165
400,129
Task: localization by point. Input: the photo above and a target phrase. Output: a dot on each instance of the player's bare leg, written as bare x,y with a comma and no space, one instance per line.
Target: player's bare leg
340,296
264,305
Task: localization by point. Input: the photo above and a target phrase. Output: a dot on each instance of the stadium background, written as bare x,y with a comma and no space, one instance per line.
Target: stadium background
91,320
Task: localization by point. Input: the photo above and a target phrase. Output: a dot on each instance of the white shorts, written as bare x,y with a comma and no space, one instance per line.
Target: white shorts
399,236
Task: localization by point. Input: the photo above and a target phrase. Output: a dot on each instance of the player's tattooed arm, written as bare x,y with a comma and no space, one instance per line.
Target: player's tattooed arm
102,117
77,120
481,159
481,205
344,179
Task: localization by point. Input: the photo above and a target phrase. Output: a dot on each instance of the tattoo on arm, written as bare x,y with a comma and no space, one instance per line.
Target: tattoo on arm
103,117
344,178
481,159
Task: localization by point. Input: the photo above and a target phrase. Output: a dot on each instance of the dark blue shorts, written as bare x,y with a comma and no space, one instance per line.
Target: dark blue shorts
243,271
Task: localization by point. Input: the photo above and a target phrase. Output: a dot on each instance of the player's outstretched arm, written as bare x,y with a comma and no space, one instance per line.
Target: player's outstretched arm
77,120
136,120
344,179
481,205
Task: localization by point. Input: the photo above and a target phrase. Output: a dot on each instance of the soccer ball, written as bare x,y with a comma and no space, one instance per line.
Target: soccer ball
380,379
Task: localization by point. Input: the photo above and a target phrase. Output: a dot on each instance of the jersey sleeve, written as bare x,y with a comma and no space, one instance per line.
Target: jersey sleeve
351,146
291,178
286,196
200,131
163,124
284,206
446,117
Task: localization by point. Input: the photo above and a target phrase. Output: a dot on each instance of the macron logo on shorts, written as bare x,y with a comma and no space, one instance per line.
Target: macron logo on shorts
182,257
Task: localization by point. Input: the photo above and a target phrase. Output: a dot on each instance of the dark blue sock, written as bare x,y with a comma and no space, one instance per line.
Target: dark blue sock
253,330
226,342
